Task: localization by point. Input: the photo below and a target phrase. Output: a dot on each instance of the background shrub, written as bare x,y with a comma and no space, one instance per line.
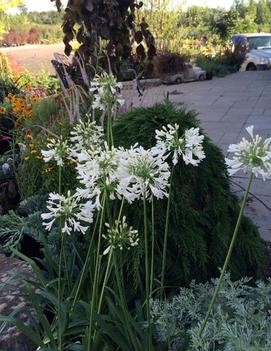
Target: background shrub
203,210
168,63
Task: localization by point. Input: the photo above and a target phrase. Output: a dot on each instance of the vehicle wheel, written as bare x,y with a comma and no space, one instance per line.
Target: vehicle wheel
178,81
251,67
201,77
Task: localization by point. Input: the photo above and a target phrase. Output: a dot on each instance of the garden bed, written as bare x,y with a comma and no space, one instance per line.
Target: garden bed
121,211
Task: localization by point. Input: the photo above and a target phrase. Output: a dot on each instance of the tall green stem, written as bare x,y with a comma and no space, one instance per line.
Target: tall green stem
106,276
59,269
95,279
109,131
86,262
124,304
152,246
228,257
108,267
164,257
147,277
67,276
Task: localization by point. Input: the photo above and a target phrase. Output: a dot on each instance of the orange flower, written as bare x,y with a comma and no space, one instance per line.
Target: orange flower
22,106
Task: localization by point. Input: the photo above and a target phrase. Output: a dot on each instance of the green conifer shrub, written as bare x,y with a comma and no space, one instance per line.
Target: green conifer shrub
203,212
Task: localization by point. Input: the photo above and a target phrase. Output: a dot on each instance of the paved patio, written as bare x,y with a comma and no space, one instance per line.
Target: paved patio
226,106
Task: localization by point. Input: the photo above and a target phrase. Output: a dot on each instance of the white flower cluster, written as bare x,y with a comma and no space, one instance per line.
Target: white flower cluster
106,91
69,209
132,174
143,173
57,150
86,136
120,236
98,172
251,156
188,146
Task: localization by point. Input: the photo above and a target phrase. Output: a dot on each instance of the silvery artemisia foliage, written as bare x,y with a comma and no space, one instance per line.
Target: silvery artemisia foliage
240,321
118,173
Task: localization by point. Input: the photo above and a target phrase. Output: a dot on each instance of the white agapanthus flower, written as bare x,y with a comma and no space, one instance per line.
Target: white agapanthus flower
98,172
120,236
193,147
188,146
143,173
106,91
86,136
57,150
251,156
70,211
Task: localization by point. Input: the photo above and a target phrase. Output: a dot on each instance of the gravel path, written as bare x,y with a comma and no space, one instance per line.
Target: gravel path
35,57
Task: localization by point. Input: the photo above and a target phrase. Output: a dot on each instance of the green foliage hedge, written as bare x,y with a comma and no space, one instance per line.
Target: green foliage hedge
203,209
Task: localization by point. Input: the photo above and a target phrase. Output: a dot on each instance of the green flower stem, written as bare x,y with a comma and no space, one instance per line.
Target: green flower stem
67,276
59,180
83,272
164,257
152,247
109,131
95,279
63,236
147,281
121,209
109,264
111,127
228,257
124,304
106,276
59,270
108,267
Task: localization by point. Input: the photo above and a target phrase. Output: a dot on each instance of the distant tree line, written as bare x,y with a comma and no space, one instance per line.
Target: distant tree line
45,17
164,22
243,16
28,27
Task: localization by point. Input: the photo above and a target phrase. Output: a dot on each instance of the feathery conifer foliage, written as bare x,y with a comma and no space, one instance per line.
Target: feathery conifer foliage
203,209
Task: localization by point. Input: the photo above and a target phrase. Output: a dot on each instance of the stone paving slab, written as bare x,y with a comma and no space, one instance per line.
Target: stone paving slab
226,106
12,298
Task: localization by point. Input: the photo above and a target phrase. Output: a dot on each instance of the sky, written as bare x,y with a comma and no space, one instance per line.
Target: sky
40,5
211,3
45,5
